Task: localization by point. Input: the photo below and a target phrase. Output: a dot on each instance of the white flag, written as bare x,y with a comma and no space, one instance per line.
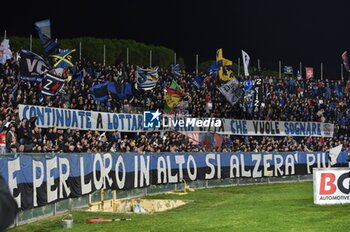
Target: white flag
299,75
246,60
334,153
5,52
232,91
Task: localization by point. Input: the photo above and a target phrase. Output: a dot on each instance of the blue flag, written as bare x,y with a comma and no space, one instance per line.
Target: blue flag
175,70
213,69
198,81
63,59
248,85
146,78
32,66
99,92
288,70
52,85
77,76
44,31
120,90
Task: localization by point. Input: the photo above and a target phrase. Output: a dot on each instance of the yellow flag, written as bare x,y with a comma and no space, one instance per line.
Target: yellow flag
172,100
225,66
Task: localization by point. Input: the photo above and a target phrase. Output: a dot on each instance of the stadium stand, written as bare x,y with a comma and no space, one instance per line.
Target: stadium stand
282,99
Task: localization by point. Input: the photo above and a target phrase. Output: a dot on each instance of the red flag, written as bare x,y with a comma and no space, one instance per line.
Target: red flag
309,72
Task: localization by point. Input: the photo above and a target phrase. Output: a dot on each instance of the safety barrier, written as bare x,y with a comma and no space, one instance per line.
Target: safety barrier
263,168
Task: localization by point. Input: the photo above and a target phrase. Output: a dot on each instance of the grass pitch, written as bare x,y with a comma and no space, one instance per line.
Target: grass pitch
269,207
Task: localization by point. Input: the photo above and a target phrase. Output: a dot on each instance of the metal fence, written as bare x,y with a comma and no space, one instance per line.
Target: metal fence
67,205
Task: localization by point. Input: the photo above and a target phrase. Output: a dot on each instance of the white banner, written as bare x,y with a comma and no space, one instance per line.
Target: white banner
331,186
103,121
81,120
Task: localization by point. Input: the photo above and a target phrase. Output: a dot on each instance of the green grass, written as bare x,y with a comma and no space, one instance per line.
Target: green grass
273,207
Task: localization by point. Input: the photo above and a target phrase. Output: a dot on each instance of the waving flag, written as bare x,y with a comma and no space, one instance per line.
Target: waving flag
198,81
333,154
173,97
44,31
52,85
63,59
175,89
345,59
5,52
288,70
120,90
213,69
99,92
232,91
248,85
246,60
146,78
32,66
175,70
224,65
78,76
299,75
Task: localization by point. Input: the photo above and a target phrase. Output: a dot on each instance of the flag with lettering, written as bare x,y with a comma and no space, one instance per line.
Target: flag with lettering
32,66
52,85
232,91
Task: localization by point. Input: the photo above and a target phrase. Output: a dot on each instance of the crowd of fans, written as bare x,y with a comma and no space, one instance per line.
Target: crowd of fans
284,99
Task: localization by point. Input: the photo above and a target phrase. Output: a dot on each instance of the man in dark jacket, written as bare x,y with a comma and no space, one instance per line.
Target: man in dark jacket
8,206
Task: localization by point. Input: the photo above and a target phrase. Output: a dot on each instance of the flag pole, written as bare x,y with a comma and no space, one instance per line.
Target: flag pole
104,55
321,71
174,57
127,55
196,64
259,65
279,69
341,72
239,66
80,50
301,70
150,58
30,42
5,34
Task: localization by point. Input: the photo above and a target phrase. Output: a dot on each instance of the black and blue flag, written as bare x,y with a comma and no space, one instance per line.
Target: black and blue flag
44,31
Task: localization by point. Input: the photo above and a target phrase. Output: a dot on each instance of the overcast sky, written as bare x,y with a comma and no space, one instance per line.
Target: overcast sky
310,31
